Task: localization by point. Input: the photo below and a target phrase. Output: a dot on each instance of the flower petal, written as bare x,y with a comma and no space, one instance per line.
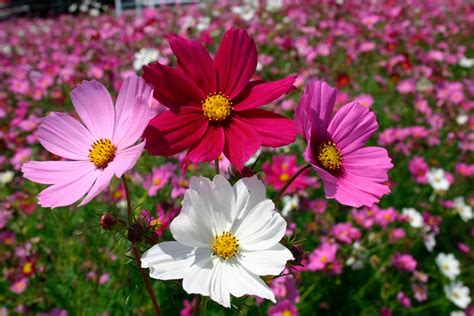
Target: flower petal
197,279
275,130
315,109
64,136
172,87
194,60
132,111
351,127
168,260
236,61
209,147
94,105
248,193
102,181
51,172
271,261
125,159
259,93
68,192
168,133
241,142
218,291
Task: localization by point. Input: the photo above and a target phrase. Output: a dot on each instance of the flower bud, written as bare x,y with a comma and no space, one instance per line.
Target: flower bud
135,232
107,221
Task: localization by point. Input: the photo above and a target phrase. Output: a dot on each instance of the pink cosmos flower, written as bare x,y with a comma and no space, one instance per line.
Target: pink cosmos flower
213,104
159,178
386,216
345,233
19,286
322,256
283,308
418,168
98,149
352,174
404,262
281,169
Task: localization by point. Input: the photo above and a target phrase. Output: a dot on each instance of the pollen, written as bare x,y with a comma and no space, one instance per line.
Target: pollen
329,156
225,245
217,107
102,152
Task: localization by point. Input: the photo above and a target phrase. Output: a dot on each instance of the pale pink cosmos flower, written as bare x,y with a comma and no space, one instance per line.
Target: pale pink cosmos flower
352,174
102,146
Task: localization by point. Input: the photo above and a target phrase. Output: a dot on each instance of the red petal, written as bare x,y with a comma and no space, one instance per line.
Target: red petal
275,130
172,87
196,62
241,142
261,93
169,133
236,61
209,147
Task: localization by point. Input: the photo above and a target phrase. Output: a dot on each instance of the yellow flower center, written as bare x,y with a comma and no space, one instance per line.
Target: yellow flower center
225,245
217,107
287,312
102,152
329,156
27,268
157,181
284,177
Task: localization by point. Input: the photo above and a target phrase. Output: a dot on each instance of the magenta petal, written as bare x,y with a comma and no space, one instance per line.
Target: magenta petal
64,136
68,192
94,105
275,130
51,172
261,93
370,162
315,109
241,142
195,61
172,87
351,127
209,147
236,61
132,111
169,133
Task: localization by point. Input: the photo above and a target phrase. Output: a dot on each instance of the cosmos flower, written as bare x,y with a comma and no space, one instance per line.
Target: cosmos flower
448,265
414,218
352,174
102,146
226,238
459,294
214,105
438,179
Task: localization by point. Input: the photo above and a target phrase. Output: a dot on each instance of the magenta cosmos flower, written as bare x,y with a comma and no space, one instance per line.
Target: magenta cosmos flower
352,174
213,104
104,145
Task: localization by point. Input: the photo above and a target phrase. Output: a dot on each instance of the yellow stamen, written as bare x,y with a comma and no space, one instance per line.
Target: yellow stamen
27,268
287,312
284,177
225,245
217,107
102,152
329,156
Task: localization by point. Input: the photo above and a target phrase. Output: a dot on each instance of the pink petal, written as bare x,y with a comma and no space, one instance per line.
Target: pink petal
209,147
172,87
241,142
274,130
64,136
94,105
126,159
194,60
236,61
68,192
314,110
169,133
51,172
259,93
351,127
370,162
102,182
132,111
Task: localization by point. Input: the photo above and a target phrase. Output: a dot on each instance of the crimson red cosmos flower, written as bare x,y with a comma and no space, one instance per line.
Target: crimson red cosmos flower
213,104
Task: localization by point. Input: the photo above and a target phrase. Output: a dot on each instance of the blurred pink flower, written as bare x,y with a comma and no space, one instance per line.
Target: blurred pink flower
158,178
19,286
283,308
281,169
345,233
404,262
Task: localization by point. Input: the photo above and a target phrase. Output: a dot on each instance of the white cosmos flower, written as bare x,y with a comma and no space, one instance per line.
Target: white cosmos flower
448,265
459,294
274,5
6,177
457,313
437,179
414,217
145,56
226,237
430,241
464,210
290,203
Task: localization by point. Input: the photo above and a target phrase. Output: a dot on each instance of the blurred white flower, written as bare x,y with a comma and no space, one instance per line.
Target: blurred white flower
466,62
6,177
414,217
457,313
203,23
459,294
448,265
145,56
226,238
274,5
430,241
464,210
290,203
462,118
247,10
437,179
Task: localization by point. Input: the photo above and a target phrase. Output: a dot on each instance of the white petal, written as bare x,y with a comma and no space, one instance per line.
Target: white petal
168,260
198,278
261,228
218,285
248,193
271,261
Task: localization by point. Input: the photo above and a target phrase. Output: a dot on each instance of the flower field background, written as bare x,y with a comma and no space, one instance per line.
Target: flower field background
410,63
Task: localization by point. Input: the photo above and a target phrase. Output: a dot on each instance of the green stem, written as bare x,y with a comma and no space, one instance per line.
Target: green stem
216,166
287,184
